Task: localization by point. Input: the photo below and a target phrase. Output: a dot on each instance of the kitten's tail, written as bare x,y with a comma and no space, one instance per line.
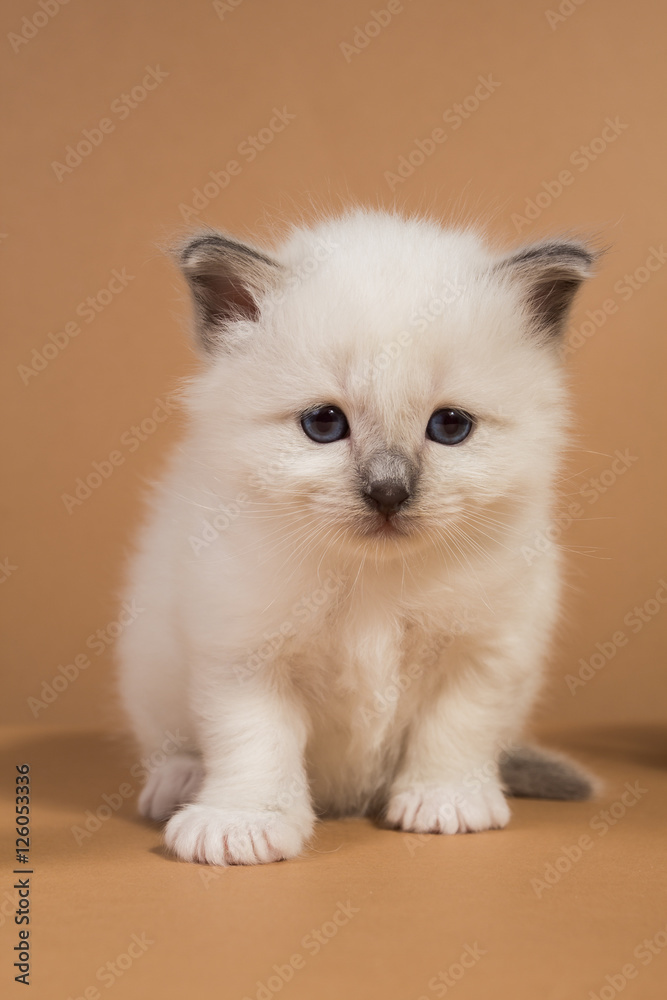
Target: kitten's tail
530,772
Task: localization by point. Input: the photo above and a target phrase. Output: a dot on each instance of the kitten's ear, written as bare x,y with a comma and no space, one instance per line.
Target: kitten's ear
227,281
550,274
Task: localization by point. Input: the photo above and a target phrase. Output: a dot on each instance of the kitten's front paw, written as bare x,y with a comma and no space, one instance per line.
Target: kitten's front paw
448,808
230,837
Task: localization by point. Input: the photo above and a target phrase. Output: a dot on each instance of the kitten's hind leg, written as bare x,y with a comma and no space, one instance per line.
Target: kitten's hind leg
172,784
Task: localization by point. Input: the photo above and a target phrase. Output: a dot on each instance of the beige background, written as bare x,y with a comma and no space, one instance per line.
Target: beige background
421,902
354,118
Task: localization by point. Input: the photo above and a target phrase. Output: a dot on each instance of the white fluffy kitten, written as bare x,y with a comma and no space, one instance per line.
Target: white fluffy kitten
339,615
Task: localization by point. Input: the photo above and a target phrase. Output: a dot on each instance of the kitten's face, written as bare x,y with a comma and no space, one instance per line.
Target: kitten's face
446,439
395,398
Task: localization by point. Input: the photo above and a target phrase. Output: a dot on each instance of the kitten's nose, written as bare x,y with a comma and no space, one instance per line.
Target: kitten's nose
387,495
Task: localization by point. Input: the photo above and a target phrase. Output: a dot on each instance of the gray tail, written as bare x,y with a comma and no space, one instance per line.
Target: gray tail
530,772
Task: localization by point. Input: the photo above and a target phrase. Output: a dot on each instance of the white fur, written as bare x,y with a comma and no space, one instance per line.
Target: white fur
312,667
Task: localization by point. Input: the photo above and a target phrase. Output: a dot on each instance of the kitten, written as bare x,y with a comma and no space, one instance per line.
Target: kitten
339,614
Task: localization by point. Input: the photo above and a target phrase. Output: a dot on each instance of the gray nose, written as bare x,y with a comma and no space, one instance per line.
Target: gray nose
387,495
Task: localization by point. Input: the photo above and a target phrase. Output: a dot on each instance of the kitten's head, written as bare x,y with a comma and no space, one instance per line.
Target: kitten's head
383,382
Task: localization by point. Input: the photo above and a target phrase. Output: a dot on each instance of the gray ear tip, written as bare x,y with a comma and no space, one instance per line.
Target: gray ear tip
195,249
214,247
578,254
588,252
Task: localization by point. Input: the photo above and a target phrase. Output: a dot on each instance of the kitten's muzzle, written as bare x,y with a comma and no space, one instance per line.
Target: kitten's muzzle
386,496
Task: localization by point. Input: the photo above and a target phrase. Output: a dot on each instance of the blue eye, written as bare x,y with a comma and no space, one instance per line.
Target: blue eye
449,426
325,424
